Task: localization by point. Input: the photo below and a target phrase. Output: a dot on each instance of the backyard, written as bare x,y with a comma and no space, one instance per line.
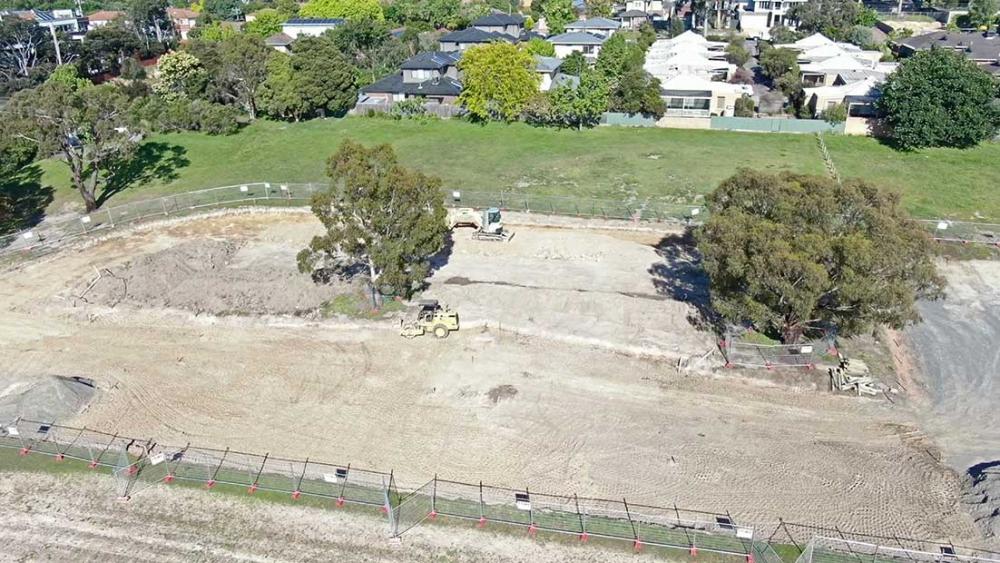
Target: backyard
662,165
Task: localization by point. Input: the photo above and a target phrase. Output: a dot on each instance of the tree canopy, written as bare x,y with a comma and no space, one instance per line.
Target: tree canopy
983,13
792,253
558,13
498,81
832,18
939,98
278,96
323,77
347,9
378,213
582,105
90,126
266,23
540,47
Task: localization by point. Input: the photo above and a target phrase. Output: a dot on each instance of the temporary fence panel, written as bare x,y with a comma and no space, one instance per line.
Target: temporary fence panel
775,125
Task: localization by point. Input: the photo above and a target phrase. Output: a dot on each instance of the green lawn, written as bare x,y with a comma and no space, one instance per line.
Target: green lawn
665,165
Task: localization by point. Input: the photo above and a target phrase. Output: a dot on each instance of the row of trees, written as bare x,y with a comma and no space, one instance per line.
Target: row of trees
501,85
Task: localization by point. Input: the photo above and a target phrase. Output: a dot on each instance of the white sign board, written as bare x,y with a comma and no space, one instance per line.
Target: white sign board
744,533
85,219
330,478
28,235
942,225
456,195
12,430
158,458
695,211
284,188
244,189
807,349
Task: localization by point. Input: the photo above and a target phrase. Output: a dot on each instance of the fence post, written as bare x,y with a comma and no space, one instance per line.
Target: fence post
211,480
95,462
298,486
579,515
482,513
434,492
635,532
343,486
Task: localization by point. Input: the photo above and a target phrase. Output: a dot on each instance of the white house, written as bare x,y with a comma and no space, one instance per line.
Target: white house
547,68
577,42
183,20
601,27
297,27
102,18
688,54
761,15
826,97
651,7
694,96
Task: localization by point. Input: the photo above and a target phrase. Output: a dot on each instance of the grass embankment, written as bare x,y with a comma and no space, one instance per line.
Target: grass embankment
624,164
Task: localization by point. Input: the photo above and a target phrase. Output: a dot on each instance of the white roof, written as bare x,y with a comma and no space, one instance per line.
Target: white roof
822,52
692,82
840,62
688,37
859,88
814,40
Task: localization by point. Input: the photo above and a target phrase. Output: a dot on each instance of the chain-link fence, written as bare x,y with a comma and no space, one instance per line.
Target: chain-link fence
964,232
740,349
49,234
140,463
136,464
822,549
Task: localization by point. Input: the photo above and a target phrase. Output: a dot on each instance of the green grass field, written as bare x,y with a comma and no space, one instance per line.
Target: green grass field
665,165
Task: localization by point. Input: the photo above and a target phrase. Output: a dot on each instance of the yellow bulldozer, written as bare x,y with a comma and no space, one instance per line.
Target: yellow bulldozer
428,316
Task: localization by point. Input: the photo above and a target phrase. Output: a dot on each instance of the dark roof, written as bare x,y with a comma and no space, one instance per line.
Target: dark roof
393,84
594,23
633,14
279,40
314,21
434,60
547,64
576,38
473,35
974,45
498,19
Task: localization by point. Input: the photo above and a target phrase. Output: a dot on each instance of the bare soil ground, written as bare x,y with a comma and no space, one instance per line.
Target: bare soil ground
74,518
572,388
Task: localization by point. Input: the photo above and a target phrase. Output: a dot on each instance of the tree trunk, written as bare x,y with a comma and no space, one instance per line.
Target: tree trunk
55,43
159,33
89,198
373,283
791,332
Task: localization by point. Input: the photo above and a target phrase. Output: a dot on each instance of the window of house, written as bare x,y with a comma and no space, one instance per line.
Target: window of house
720,102
831,104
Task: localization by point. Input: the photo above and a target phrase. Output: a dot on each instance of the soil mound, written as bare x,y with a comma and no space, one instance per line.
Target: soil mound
47,398
982,495
217,277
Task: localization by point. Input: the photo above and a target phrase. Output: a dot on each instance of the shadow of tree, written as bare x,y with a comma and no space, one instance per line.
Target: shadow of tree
23,200
154,161
440,260
680,276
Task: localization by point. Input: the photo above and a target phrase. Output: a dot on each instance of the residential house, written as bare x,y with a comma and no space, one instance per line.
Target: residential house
757,19
499,22
651,7
822,60
102,18
183,20
64,21
577,42
982,48
823,98
632,19
601,27
688,54
548,69
694,96
471,37
280,42
431,77
310,27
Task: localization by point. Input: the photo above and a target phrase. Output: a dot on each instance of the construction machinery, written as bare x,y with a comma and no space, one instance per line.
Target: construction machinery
428,316
488,223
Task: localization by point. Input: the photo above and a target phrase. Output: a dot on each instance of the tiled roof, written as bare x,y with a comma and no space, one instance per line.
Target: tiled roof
433,60
576,38
314,21
499,19
105,15
279,40
473,35
393,84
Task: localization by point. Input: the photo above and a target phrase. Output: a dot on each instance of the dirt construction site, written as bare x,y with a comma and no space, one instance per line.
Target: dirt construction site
579,368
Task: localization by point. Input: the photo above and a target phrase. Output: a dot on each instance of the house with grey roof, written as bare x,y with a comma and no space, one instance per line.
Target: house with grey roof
280,42
471,37
632,19
577,42
547,68
980,47
431,77
602,27
499,22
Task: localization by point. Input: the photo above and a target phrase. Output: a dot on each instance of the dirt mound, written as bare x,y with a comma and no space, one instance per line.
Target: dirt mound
217,277
982,496
49,398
